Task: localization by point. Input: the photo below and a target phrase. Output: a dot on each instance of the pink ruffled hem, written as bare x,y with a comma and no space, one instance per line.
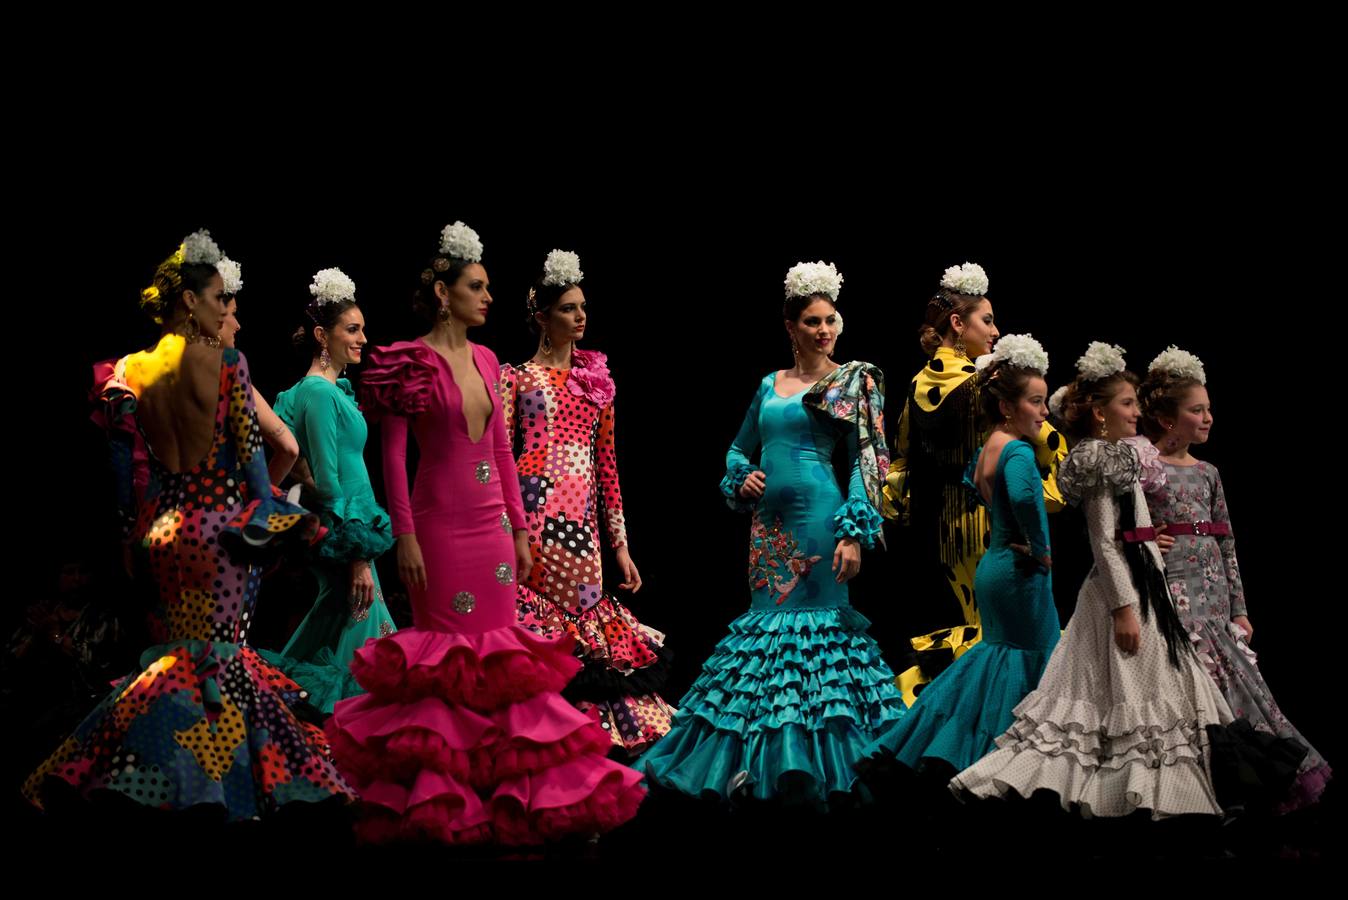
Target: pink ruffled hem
374,740
483,671
583,796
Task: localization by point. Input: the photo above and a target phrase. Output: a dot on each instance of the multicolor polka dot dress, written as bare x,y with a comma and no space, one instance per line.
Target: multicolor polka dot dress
206,720
561,422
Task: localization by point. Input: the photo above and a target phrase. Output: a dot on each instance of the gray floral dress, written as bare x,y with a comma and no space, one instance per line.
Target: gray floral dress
1204,581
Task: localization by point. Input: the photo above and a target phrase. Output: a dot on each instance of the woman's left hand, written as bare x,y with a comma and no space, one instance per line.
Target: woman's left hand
1245,626
362,589
847,560
631,577
524,557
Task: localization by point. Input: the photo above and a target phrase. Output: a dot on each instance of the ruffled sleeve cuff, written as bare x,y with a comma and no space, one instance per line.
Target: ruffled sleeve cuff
270,527
858,519
349,540
730,487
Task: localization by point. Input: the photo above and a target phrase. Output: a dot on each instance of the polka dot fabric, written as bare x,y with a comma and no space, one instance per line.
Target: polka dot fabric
568,471
206,721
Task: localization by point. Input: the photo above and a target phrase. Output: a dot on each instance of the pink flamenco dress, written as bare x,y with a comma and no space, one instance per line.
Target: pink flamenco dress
464,736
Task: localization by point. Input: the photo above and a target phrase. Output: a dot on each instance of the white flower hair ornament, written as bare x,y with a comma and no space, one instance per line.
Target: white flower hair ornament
1019,350
1100,361
200,249
332,286
458,241
231,273
966,279
807,279
562,267
1180,363
1056,401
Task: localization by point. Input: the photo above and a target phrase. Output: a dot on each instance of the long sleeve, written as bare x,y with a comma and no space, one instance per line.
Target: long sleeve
1102,521
394,440
857,517
114,411
268,523
246,431
356,531
507,388
1025,491
606,467
1227,544
738,459
505,458
318,427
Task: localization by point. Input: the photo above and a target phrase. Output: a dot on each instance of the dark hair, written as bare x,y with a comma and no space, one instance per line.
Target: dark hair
324,315
1083,397
940,308
794,306
542,298
1002,381
171,280
1160,395
425,305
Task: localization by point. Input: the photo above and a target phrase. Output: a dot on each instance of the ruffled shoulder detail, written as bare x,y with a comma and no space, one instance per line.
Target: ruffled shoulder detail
1096,465
589,377
1152,470
854,395
114,400
398,380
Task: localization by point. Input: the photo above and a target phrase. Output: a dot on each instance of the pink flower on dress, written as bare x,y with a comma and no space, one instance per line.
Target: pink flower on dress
589,377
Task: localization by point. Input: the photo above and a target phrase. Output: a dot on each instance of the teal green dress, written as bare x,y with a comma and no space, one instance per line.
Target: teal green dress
788,700
331,432
963,710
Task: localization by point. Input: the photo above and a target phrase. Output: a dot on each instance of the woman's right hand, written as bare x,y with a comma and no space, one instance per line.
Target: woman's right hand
1127,629
411,569
753,486
1164,541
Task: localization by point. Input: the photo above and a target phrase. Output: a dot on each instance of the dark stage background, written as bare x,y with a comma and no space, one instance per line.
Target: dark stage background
684,265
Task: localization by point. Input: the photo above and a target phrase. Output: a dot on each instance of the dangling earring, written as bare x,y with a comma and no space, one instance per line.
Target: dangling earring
959,346
324,360
194,335
547,344
1104,431
443,314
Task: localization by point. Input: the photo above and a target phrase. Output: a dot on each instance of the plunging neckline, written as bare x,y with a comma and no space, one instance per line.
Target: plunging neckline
463,412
